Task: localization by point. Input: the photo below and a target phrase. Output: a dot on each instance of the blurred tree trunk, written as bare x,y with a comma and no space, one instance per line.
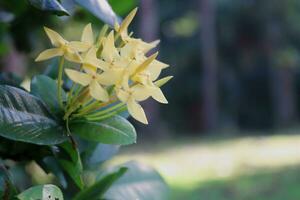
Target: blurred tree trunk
148,30
282,75
284,96
209,64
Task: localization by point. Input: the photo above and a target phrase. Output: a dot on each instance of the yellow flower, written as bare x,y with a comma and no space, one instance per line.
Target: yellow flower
90,79
131,96
141,89
143,76
87,39
136,49
112,63
90,60
155,69
122,30
109,53
62,48
132,51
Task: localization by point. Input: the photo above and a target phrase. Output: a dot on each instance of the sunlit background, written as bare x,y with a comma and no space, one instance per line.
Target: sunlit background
230,130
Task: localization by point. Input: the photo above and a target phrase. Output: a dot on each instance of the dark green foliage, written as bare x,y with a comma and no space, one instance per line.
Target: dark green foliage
123,7
98,189
26,118
115,130
46,89
96,153
132,185
72,164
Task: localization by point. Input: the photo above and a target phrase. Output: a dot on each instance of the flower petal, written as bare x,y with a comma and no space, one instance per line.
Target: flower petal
78,77
140,92
110,77
129,50
79,46
92,71
146,63
49,53
154,44
104,65
88,35
72,56
98,92
163,81
90,58
56,39
155,69
158,95
109,52
136,111
126,22
122,95
146,47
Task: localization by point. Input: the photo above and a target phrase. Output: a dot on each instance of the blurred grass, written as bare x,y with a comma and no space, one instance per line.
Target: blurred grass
232,168
280,184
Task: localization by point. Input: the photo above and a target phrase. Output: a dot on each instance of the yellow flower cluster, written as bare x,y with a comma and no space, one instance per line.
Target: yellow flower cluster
116,60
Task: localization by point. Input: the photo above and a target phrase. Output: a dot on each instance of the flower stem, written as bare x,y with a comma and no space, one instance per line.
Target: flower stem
77,102
88,108
94,106
59,84
108,115
73,87
105,111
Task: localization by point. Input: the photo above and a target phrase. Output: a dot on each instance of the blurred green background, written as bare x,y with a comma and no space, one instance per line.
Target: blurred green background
230,130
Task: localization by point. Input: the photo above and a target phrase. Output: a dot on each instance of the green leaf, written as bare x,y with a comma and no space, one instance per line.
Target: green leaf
50,5
97,153
115,130
140,182
49,192
46,89
25,118
123,7
100,187
101,9
73,171
73,165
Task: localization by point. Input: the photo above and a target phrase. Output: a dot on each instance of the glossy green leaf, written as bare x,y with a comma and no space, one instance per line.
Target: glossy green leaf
101,9
50,5
140,182
49,192
115,130
98,189
24,117
72,165
73,171
46,89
